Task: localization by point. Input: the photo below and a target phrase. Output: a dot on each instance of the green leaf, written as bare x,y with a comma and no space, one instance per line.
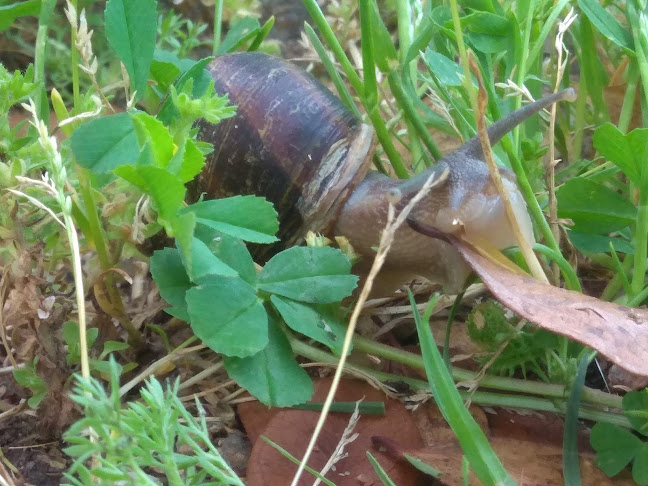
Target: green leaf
447,71
314,275
422,466
628,152
635,406
260,36
386,56
181,65
35,399
104,144
380,472
593,207
187,162
164,71
606,23
112,346
593,70
12,11
231,251
200,79
172,280
489,33
488,44
71,338
599,244
571,463
640,466
228,317
272,375
487,23
166,190
204,263
615,447
249,218
308,321
184,226
15,87
238,33
131,29
153,131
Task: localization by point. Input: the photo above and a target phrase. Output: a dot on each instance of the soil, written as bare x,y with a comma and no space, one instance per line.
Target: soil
39,460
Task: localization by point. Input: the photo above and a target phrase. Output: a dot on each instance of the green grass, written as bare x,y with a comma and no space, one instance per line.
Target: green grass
596,202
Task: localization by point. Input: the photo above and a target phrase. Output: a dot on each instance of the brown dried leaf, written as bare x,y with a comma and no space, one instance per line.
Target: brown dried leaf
101,291
292,429
619,333
529,463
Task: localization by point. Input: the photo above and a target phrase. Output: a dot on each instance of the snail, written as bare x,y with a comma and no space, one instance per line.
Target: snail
298,145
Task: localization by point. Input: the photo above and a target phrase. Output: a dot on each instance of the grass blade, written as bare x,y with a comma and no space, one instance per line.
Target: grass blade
472,440
386,480
571,466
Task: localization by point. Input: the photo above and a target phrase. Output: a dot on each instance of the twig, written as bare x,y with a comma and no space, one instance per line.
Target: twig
155,365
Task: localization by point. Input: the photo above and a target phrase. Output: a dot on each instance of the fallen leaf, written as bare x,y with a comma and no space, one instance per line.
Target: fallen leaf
292,429
617,332
528,443
529,464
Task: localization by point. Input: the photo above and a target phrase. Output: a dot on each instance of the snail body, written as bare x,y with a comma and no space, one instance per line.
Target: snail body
298,145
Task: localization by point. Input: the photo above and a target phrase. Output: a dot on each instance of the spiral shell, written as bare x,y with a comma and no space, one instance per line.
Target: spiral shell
291,141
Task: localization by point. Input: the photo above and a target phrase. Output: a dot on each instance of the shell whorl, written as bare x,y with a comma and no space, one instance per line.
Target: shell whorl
291,141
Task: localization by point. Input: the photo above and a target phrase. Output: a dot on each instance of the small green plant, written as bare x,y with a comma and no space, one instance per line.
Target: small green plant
617,447
525,349
151,442
180,35
97,362
28,378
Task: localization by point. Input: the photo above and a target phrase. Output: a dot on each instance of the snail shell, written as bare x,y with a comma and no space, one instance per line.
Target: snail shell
291,141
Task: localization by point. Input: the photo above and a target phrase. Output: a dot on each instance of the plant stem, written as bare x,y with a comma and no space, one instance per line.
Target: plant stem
218,25
625,117
463,55
74,59
412,116
524,244
40,97
385,138
368,64
579,120
331,40
640,241
405,32
97,237
522,64
529,197
496,382
638,20
555,395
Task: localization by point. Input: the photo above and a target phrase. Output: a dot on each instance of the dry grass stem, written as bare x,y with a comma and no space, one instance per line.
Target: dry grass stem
386,240
200,376
347,437
150,370
83,44
561,51
525,246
